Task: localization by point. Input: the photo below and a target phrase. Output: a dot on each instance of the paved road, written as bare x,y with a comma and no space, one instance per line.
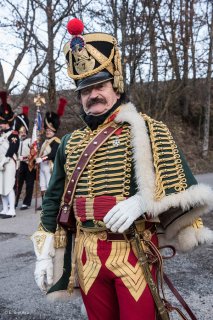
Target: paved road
21,299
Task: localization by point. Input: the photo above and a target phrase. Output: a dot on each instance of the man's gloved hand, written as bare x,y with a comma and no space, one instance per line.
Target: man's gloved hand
45,251
39,160
3,161
123,214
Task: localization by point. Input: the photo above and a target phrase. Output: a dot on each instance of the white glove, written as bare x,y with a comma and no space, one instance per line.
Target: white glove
38,160
3,161
123,214
45,251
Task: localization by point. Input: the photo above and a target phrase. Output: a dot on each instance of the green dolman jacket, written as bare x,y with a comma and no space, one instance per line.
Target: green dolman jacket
164,181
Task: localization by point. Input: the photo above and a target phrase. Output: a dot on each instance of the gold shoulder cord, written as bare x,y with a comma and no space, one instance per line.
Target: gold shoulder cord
167,162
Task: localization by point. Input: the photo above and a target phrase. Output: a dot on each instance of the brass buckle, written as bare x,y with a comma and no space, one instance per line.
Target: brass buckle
146,235
102,235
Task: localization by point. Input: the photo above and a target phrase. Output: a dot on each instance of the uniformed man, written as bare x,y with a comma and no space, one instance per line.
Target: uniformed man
9,144
48,150
24,175
131,182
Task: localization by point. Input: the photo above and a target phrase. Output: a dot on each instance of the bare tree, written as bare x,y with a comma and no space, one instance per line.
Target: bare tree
39,29
55,13
2,80
164,44
20,23
207,105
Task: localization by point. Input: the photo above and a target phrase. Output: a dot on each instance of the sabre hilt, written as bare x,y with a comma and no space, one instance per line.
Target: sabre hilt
143,262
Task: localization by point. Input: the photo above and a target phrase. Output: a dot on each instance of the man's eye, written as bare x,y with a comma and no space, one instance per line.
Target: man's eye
99,86
85,91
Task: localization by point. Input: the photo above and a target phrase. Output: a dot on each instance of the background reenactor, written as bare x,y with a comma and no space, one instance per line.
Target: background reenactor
23,172
9,144
50,146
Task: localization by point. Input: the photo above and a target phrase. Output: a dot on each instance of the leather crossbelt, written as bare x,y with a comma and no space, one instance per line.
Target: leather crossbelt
67,199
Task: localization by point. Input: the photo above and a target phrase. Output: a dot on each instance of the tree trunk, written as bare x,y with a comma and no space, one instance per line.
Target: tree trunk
208,92
50,58
2,82
154,61
185,42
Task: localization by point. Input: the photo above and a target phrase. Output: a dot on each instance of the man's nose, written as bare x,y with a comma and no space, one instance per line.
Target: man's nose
93,92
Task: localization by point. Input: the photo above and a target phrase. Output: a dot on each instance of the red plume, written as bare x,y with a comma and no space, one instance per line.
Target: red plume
25,110
3,96
61,106
75,27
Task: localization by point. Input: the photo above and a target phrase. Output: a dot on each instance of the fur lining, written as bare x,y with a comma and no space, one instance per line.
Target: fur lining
198,196
188,238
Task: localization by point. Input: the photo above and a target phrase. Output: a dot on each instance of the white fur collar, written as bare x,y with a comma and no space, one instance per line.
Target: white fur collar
197,195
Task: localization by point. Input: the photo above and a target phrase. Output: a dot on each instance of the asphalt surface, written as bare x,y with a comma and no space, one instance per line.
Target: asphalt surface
191,273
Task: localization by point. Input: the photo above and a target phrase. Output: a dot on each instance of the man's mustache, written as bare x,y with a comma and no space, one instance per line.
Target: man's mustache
95,101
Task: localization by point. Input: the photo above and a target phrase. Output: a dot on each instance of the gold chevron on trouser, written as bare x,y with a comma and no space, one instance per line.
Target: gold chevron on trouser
87,273
131,276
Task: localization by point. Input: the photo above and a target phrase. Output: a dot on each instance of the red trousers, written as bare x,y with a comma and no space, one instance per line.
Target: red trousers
108,297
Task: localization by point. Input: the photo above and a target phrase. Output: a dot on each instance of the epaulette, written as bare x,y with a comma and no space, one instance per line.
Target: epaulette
167,160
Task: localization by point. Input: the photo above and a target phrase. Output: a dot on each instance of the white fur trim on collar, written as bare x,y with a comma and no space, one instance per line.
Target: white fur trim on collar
197,195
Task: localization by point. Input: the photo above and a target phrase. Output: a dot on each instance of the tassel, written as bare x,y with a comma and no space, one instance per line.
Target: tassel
60,238
118,78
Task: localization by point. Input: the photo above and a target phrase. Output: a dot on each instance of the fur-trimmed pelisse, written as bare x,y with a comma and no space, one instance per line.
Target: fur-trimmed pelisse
197,200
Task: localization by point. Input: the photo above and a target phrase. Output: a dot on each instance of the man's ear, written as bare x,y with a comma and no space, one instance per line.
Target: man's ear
118,95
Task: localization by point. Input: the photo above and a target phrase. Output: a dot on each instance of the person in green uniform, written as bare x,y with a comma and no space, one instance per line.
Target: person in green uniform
137,175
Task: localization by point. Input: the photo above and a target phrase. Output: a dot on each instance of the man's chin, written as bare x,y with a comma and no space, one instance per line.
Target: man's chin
96,113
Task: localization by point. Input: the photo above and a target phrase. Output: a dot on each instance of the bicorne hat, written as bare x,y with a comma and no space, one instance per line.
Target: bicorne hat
52,119
22,120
